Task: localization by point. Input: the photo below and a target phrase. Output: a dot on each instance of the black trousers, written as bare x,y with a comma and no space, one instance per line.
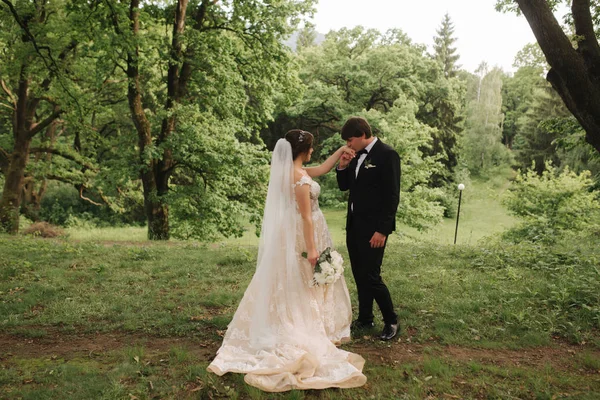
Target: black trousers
366,268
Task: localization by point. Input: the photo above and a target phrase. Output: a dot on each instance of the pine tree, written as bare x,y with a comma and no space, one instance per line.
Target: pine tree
444,52
306,37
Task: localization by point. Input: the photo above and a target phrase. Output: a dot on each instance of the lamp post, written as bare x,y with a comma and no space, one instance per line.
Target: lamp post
460,189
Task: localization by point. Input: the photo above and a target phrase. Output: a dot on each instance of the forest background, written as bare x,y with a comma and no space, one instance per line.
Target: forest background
160,117
164,114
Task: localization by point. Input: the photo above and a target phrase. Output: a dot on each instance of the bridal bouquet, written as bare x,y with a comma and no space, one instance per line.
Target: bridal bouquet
329,268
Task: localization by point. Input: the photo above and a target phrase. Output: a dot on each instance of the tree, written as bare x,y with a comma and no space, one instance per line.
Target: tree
531,56
482,147
574,64
443,105
392,83
34,74
218,67
306,37
536,141
517,98
444,52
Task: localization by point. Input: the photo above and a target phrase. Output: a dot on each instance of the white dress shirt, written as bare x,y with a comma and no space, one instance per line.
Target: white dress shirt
363,156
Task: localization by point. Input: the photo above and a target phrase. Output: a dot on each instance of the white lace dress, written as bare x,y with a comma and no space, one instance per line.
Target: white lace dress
333,301
284,336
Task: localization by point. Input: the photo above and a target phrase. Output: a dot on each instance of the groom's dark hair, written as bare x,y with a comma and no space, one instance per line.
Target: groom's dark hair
355,127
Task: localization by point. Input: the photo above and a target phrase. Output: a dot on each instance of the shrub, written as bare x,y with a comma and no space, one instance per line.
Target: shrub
43,229
62,206
552,204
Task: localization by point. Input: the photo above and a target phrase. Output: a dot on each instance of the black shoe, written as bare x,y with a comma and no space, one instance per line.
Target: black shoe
358,324
389,331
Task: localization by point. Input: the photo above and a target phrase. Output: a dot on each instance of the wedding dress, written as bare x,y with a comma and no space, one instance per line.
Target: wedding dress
284,333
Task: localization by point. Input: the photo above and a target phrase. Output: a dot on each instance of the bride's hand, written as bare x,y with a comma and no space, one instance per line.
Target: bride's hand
346,156
312,257
348,152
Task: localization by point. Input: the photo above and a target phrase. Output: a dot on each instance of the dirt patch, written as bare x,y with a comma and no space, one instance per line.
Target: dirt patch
560,356
69,346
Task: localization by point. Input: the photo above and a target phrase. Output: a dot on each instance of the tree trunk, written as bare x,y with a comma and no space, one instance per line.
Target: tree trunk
574,72
157,212
14,178
13,186
32,197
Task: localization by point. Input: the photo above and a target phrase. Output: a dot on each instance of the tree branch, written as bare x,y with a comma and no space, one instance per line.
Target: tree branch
194,169
42,125
82,197
64,155
25,29
187,66
584,29
115,19
570,72
9,93
49,100
4,160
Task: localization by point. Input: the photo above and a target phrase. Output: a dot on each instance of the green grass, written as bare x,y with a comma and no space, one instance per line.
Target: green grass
496,297
137,373
131,233
481,215
467,312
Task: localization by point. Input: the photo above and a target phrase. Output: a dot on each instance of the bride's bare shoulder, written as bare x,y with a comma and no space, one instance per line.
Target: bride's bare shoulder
301,178
299,174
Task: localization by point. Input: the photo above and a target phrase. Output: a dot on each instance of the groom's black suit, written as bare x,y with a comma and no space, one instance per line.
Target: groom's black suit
372,205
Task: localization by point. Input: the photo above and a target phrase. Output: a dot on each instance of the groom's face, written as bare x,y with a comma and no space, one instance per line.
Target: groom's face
356,143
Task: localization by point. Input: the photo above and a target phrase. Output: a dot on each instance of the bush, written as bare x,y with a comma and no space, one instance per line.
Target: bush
62,206
552,204
43,229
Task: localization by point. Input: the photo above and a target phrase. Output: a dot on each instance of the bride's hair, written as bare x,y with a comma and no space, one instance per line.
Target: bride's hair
300,140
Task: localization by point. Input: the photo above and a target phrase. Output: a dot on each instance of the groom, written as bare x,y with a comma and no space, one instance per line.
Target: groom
373,178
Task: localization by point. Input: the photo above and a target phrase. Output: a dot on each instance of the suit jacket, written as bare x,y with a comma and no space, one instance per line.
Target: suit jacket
375,193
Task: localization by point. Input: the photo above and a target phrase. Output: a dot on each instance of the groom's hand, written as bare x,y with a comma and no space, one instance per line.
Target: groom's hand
378,240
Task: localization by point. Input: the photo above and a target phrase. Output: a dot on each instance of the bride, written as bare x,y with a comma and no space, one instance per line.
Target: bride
284,333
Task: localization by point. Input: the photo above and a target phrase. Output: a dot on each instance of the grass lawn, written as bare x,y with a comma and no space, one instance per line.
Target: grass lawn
108,315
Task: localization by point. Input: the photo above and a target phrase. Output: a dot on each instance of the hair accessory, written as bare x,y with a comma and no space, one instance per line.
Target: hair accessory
301,136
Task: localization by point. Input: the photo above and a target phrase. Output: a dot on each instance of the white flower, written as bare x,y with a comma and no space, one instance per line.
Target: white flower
336,258
329,268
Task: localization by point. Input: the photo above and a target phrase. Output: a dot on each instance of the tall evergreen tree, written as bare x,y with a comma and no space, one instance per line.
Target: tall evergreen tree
444,52
443,105
306,37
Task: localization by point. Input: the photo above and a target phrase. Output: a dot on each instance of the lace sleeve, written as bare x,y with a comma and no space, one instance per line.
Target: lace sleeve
305,180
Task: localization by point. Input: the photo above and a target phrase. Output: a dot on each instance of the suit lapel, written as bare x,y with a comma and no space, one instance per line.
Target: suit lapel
369,156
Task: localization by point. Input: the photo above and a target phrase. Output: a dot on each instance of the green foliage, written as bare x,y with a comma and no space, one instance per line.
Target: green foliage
531,56
404,95
573,150
238,68
553,204
221,183
535,143
537,125
482,148
563,292
517,98
63,206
